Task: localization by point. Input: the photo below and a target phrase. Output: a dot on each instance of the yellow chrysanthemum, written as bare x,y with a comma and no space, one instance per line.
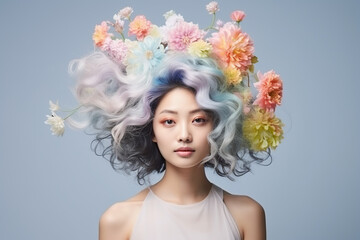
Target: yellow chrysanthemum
263,130
200,48
232,75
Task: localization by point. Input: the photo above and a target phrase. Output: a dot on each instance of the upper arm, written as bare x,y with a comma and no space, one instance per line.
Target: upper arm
255,226
249,216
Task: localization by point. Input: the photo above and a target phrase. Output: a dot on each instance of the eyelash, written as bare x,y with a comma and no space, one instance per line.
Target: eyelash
166,122
198,121
203,120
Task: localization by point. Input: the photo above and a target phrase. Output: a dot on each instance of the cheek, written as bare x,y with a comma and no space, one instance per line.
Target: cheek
159,134
156,133
205,139
154,138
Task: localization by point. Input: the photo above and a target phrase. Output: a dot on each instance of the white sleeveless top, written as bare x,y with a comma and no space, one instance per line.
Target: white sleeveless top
205,220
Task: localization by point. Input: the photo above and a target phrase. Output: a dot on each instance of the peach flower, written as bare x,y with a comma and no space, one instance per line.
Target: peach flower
237,16
270,89
232,47
140,27
100,34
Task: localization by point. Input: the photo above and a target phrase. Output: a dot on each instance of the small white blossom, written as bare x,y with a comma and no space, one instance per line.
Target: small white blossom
212,7
173,20
54,106
168,14
116,17
56,123
126,12
219,24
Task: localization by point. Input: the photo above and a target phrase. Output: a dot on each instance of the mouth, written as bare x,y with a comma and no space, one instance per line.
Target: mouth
184,151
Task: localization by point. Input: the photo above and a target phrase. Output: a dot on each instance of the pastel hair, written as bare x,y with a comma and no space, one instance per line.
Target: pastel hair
121,107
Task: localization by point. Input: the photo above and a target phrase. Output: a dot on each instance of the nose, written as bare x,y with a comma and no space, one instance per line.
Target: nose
184,134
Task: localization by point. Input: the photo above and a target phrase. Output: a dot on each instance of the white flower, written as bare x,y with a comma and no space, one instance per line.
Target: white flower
56,123
171,20
212,7
126,12
168,14
54,106
116,17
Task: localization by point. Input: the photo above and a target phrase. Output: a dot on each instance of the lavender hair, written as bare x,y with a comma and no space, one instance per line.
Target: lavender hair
121,109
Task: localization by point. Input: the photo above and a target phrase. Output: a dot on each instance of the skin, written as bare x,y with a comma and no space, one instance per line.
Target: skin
179,122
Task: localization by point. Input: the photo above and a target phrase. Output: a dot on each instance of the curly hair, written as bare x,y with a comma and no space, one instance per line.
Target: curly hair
121,107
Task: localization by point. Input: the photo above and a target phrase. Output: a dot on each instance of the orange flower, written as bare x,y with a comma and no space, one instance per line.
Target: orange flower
100,34
140,27
270,89
232,47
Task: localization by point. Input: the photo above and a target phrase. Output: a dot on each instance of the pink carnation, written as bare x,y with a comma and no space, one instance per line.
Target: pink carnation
140,27
270,89
237,16
232,47
101,33
182,34
116,49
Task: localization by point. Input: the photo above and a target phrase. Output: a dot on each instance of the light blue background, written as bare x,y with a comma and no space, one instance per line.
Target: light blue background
56,188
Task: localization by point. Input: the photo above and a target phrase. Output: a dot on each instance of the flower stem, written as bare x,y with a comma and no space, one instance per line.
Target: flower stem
212,23
72,112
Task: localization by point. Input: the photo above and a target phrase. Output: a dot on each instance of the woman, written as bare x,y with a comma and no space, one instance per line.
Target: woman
181,127
176,103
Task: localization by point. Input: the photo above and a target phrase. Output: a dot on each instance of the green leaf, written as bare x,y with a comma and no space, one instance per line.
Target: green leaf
251,68
254,59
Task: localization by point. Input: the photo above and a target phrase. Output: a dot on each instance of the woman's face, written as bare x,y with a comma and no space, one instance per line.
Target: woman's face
181,128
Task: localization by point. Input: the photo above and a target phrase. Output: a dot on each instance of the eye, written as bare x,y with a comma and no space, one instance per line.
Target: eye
200,120
168,122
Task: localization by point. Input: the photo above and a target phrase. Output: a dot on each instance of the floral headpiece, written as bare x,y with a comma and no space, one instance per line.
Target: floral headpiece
233,50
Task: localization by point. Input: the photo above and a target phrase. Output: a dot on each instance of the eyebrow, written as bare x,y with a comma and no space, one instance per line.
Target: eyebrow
175,112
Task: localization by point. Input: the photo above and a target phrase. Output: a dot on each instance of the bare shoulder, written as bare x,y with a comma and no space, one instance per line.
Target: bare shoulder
242,204
118,220
248,214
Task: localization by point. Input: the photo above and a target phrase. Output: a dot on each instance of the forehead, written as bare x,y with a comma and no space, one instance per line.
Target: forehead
178,99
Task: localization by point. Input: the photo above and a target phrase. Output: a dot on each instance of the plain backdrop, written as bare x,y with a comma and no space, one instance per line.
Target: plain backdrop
56,188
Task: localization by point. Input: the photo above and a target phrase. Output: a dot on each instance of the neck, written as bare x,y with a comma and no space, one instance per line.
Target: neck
183,186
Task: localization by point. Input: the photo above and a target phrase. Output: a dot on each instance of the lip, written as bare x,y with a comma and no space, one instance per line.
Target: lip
184,151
